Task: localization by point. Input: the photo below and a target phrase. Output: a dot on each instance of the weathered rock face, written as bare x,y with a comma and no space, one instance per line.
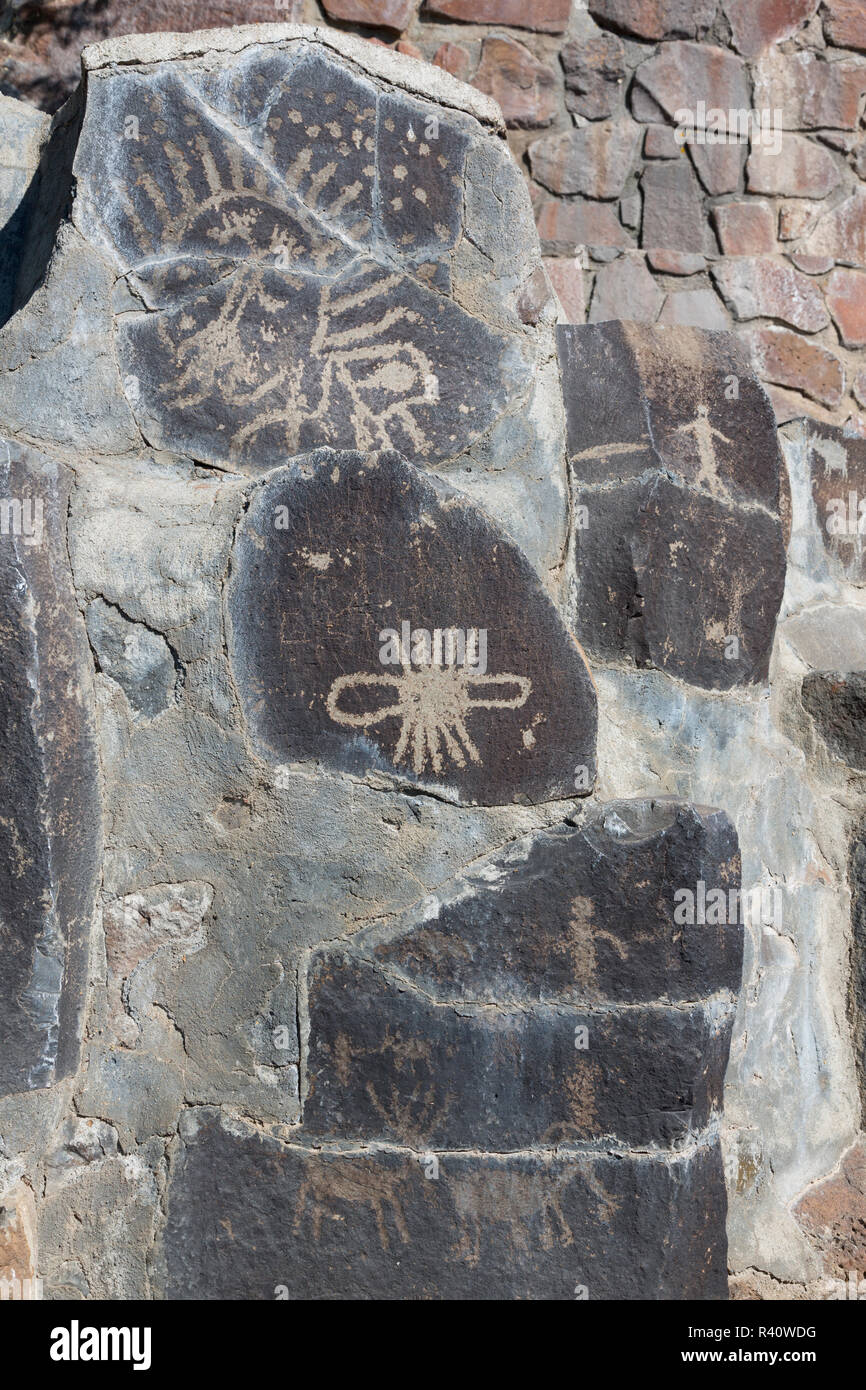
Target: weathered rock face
679,558
494,1018
392,1225
495,984
283,338
49,806
286,253
857,986
380,622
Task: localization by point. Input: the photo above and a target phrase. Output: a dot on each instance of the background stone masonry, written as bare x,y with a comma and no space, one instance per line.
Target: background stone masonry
232,862
632,225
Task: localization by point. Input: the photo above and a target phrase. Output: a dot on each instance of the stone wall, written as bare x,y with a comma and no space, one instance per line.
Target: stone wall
394,960
767,235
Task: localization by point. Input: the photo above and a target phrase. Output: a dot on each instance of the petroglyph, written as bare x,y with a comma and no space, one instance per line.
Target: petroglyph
283,240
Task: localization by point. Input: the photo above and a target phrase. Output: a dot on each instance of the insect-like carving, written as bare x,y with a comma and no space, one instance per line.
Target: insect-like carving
432,704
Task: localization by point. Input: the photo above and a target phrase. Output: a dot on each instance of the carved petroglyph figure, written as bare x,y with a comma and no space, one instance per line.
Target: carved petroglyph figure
432,704
704,433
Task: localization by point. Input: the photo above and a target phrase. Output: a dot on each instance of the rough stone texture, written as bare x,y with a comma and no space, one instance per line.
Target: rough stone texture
845,23
548,16
809,92
695,309
755,24
680,74
846,300
40,60
595,160
332,1223
761,287
524,88
222,867
836,702
315,600
837,464
50,814
601,904
672,481
595,71
661,19
745,229
799,169
857,981
22,131
789,360
833,1215
625,290
389,14
672,212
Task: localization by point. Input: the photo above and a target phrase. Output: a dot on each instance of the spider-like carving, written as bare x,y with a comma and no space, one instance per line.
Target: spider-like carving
432,704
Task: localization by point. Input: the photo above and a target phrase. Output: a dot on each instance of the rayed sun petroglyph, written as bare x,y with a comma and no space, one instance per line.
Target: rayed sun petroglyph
274,292
432,704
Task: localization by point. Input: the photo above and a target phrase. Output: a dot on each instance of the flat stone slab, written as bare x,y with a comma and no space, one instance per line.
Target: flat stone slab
837,470
50,824
381,623
679,551
518,1009
283,226
249,1218
836,700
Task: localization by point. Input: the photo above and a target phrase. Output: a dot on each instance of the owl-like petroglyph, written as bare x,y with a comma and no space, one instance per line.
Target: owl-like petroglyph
283,238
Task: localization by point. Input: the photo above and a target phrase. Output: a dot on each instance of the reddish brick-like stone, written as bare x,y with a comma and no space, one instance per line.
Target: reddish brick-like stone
846,300
594,160
385,14
625,290
566,277
757,23
842,232
676,262
524,88
41,61
845,23
788,359
661,143
833,1215
564,226
745,229
595,71
799,169
812,265
454,59
760,287
410,49
719,167
546,16
810,92
859,388
681,74
655,19
797,218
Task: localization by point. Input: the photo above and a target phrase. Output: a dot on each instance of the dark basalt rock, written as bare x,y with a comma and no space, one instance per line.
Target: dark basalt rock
496,1018
50,828
837,703
287,1221
679,546
338,550
283,230
837,467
